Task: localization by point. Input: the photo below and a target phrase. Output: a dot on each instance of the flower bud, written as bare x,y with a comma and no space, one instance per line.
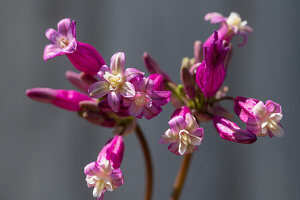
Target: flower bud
198,51
86,59
76,80
211,72
66,99
230,131
187,79
153,67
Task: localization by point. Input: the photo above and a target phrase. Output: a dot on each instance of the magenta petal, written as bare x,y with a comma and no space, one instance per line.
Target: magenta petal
243,107
91,169
51,35
160,98
158,81
114,99
151,111
117,177
131,73
117,62
51,51
214,17
98,89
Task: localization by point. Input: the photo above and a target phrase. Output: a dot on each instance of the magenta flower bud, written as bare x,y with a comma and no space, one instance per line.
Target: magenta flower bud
113,151
184,133
230,131
187,78
115,82
146,101
230,26
66,99
105,174
86,59
198,51
153,67
243,107
211,72
83,56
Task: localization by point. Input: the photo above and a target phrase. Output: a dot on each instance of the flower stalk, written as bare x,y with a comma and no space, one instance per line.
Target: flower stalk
148,162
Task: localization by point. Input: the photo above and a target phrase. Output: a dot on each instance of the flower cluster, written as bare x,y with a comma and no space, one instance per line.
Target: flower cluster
116,97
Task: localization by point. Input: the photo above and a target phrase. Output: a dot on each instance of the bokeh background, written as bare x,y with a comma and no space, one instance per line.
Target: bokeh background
43,149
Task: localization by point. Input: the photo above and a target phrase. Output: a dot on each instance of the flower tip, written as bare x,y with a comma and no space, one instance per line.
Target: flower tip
45,95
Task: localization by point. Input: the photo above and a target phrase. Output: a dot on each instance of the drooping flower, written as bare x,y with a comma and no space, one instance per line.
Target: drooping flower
66,99
266,119
230,131
243,107
184,133
115,82
147,101
105,174
211,72
230,26
83,56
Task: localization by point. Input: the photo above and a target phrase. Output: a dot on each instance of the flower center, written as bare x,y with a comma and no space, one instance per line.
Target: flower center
234,19
114,80
185,138
142,99
63,42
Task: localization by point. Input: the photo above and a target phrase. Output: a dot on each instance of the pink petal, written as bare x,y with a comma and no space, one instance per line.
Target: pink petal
51,35
71,47
51,51
114,99
214,17
273,107
177,123
64,26
127,90
151,112
98,89
117,177
135,110
160,98
131,73
117,62
91,169
174,148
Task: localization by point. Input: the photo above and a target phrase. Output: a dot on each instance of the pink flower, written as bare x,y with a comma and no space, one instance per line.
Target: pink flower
232,132
66,99
147,101
115,82
105,174
211,72
230,26
184,133
83,56
266,119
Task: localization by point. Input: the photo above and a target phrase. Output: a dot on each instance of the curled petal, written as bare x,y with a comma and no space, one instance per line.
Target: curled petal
182,148
273,107
64,26
243,107
214,17
151,112
98,89
174,148
157,81
135,110
91,169
117,62
117,177
160,98
168,137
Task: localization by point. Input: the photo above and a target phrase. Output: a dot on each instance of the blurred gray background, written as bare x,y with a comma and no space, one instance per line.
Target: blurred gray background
43,149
